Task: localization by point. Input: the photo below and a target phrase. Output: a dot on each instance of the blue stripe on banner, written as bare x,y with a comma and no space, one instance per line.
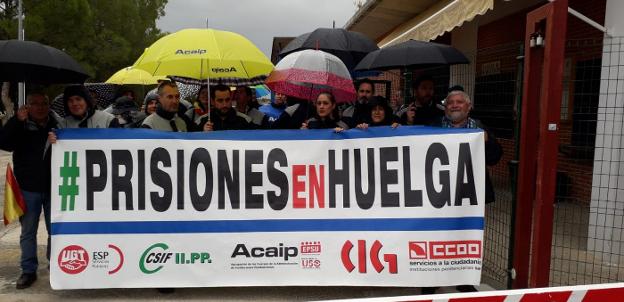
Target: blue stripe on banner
269,225
257,135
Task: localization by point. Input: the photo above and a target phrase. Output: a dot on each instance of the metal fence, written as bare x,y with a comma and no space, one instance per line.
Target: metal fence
589,205
587,233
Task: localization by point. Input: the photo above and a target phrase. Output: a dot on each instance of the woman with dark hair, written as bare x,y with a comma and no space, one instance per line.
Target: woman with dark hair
379,113
326,115
81,110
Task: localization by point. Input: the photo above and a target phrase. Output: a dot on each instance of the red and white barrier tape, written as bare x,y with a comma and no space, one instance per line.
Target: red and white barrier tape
611,292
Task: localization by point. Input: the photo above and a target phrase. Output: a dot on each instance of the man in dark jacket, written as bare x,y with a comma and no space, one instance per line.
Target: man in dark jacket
423,110
297,112
456,115
223,116
357,113
167,117
25,134
247,105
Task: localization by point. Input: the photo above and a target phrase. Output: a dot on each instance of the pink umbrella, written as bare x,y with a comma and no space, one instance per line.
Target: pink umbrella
305,74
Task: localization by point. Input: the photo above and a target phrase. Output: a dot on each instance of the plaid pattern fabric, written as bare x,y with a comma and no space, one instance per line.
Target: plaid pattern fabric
470,123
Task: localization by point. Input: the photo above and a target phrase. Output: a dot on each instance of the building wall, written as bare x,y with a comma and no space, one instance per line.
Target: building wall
498,44
607,195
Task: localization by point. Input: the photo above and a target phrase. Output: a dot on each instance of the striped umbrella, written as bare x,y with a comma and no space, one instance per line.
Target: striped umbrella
305,74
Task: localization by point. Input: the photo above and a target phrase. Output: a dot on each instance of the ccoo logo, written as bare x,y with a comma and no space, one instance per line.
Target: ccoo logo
418,250
73,259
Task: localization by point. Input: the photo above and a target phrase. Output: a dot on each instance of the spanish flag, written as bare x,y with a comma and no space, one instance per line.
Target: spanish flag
14,205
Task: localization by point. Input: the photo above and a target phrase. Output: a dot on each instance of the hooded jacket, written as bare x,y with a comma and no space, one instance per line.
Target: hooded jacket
93,119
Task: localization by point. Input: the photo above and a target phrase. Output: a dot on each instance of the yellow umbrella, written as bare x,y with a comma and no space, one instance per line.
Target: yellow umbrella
133,76
204,54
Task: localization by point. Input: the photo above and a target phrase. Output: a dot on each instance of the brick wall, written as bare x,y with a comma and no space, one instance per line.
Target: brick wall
498,42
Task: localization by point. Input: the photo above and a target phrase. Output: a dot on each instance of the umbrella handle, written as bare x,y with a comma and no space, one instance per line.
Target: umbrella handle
208,84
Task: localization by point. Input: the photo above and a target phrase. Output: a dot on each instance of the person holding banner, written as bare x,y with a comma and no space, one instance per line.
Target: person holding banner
82,110
274,109
224,116
379,113
25,135
166,117
358,112
457,115
423,110
297,112
326,115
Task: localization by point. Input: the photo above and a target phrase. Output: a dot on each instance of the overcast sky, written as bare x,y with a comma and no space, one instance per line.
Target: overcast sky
258,20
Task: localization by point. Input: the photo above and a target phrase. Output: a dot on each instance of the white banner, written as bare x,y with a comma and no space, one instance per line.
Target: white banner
376,207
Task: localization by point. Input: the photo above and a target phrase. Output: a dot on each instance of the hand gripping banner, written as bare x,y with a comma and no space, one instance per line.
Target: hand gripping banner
377,207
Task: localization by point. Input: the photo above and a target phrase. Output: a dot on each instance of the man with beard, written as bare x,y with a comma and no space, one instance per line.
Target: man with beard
358,112
223,116
247,105
423,110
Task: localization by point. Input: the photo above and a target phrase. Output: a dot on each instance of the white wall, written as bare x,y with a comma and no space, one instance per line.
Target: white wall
464,39
607,198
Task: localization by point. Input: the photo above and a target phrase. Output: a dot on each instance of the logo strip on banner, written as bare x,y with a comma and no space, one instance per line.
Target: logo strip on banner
237,135
269,225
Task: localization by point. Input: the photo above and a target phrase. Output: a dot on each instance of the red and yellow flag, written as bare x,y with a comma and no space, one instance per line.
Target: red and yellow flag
14,205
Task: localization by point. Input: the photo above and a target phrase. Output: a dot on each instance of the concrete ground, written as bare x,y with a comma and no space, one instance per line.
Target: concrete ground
41,291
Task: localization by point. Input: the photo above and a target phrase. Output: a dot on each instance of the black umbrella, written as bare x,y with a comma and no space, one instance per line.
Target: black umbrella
412,53
349,46
28,61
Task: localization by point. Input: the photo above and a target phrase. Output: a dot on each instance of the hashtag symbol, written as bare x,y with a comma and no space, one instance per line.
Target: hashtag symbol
69,172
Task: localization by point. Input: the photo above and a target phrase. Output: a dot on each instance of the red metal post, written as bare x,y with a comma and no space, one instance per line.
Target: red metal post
550,113
539,142
527,162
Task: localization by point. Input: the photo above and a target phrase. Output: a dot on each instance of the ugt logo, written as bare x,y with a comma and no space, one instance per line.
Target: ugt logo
73,259
390,259
68,190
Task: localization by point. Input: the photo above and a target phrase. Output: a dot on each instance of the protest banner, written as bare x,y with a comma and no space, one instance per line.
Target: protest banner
376,207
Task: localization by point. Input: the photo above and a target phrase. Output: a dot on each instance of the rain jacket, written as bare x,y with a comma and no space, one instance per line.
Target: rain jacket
234,120
315,123
424,115
293,116
356,114
272,111
28,141
94,119
162,120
